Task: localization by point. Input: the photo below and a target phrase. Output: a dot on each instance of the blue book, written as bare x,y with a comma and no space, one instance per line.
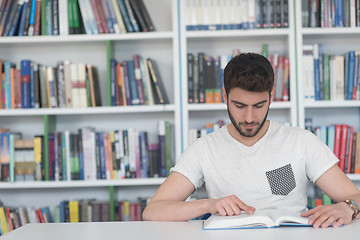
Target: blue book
331,137
32,17
10,17
321,74
62,210
16,20
63,156
32,85
8,95
25,83
112,14
113,81
125,15
323,134
135,100
346,76
102,156
22,18
81,156
351,74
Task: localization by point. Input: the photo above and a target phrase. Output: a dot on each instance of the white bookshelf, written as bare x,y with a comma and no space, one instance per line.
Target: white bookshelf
334,41
160,45
215,43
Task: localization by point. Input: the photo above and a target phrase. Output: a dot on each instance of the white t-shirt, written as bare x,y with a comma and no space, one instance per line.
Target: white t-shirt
273,173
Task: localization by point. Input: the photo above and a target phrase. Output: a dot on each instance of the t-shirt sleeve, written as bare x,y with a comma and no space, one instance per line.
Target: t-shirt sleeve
319,157
189,164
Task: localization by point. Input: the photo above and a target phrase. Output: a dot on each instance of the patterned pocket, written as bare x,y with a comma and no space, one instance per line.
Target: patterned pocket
281,180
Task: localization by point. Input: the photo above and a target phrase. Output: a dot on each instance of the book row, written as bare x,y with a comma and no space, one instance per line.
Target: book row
54,17
87,155
27,84
205,76
209,128
330,13
236,14
70,211
343,141
136,82
329,76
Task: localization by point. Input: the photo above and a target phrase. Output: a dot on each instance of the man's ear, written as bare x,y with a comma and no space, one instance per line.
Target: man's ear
224,95
272,94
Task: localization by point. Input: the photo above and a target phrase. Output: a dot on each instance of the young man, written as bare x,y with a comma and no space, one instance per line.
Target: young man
254,163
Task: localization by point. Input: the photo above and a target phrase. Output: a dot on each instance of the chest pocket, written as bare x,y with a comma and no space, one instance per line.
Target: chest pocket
281,180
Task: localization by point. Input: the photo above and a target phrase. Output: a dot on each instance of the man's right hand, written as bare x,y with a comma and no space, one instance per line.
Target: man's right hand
229,206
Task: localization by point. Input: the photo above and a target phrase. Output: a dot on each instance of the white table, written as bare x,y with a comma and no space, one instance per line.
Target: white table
173,231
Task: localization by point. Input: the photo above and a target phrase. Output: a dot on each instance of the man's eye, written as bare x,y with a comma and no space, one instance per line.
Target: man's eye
259,106
239,106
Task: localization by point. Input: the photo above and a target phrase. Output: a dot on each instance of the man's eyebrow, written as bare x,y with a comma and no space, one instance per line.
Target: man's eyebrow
258,103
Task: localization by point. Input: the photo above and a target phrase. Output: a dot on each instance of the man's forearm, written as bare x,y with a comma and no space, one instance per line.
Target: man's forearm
170,210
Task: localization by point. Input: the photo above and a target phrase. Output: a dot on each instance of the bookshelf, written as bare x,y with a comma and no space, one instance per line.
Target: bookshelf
223,42
161,45
169,46
334,40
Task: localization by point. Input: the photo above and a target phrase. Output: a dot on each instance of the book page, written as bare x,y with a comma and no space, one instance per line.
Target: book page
257,220
285,217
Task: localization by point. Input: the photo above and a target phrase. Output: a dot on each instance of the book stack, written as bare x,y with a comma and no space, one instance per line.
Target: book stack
329,76
87,155
28,84
343,141
55,17
136,82
209,128
205,76
338,13
231,14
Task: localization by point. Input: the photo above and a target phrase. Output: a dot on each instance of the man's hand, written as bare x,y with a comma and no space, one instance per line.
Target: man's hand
335,214
229,206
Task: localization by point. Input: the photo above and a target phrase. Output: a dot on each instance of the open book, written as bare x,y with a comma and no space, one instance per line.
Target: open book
260,219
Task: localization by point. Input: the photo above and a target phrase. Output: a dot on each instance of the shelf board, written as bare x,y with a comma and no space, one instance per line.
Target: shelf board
83,184
281,32
354,177
87,111
331,104
331,31
88,38
222,106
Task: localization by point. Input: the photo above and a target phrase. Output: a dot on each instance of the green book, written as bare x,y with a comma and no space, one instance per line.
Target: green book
265,50
326,199
326,72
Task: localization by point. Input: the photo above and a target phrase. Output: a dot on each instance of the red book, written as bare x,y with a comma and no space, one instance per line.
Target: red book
350,147
97,16
41,217
343,143
337,140
8,216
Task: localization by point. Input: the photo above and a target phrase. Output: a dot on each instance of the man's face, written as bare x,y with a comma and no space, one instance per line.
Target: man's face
248,110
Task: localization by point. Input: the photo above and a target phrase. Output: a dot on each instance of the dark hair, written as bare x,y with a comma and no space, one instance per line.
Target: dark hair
249,71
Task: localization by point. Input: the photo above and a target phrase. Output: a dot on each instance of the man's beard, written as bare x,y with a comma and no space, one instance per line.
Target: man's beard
244,132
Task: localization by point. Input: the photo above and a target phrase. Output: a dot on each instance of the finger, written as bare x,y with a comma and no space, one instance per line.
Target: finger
229,210
241,205
328,222
338,223
321,219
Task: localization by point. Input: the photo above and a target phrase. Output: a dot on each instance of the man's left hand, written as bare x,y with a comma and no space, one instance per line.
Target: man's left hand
326,215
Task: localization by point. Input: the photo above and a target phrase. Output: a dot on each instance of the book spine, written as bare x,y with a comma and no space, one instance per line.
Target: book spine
139,81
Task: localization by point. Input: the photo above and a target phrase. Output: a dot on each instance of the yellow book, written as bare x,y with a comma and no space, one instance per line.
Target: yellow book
37,158
113,156
3,220
74,211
